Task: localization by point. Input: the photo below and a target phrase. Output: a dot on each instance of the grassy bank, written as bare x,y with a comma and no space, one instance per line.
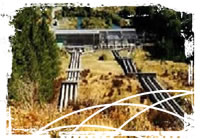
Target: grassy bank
102,82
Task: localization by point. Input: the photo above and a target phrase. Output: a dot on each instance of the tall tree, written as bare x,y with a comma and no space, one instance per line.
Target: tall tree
35,54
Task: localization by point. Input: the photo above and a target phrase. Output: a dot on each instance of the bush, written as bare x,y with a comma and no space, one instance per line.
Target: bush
103,57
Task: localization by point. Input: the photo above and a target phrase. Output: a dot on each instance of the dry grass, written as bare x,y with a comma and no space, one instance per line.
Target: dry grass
177,72
171,75
38,117
101,82
64,58
100,89
68,23
90,61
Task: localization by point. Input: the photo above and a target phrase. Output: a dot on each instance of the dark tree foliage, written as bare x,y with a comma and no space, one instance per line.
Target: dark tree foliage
127,11
71,11
167,26
35,54
107,14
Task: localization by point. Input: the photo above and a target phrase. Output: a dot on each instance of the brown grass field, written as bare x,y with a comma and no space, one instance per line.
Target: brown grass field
103,82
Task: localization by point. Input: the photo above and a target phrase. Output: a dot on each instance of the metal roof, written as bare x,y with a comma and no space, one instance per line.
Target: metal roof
90,31
76,32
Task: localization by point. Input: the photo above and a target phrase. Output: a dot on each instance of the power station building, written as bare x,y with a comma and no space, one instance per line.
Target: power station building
97,38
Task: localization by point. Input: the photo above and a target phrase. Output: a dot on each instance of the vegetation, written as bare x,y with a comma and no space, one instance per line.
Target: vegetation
93,22
102,85
67,23
100,17
127,11
39,67
95,88
165,70
35,55
103,81
168,27
91,61
171,75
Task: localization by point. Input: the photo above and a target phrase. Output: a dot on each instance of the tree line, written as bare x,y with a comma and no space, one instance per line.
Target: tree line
109,15
170,29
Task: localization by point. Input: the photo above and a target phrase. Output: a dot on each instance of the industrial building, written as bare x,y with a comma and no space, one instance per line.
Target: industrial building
97,38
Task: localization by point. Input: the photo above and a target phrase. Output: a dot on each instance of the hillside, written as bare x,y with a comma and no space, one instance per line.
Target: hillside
103,82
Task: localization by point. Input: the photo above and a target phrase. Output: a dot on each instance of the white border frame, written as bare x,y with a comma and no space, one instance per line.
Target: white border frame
9,7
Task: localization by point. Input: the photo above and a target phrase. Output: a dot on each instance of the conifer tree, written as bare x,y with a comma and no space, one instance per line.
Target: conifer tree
35,54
